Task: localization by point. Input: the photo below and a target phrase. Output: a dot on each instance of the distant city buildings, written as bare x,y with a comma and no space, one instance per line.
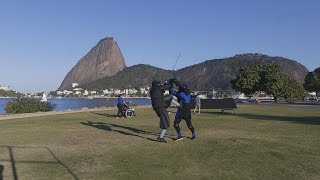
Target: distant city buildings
5,88
80,92
144,92
7,92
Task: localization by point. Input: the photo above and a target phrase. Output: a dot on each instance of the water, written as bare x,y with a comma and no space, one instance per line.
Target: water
79,103
3,102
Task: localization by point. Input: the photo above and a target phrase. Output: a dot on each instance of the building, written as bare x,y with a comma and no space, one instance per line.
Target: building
75,85
4,88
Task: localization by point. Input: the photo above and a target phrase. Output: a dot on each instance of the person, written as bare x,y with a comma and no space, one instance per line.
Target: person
120,106
160,103
184,97
198,104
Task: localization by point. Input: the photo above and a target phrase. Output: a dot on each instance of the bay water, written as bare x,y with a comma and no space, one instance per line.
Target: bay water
63,104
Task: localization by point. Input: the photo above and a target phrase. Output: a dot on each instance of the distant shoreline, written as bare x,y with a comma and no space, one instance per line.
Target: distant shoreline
80,97
102,97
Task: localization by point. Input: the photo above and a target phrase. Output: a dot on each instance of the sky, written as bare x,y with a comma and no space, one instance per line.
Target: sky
41,40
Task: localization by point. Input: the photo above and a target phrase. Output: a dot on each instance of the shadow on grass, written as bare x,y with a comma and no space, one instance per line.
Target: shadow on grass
115,127
313,120
105,114
226,112
1,172
13,161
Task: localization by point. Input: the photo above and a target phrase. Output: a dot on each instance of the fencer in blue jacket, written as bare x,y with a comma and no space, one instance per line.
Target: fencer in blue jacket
184,97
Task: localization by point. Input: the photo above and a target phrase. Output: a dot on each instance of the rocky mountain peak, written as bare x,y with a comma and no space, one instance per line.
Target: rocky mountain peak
103,60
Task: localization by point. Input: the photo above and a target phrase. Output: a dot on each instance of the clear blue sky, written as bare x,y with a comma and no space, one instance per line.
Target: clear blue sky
41,40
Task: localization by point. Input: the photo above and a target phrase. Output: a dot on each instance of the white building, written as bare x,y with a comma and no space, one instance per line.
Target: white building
74,85
144,90
77,89
106,91
66,92
4,88
93,92
312,93
117,91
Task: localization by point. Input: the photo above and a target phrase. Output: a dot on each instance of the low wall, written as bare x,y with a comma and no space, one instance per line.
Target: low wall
226,103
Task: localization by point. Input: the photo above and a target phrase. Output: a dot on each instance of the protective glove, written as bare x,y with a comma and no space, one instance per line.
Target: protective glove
172,91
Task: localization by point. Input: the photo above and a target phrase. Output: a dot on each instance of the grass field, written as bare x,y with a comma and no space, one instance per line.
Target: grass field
258,142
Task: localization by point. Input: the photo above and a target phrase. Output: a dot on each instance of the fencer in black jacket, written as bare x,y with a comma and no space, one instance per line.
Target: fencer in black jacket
160,103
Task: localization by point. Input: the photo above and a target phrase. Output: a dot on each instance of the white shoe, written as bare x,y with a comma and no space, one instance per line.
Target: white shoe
178,139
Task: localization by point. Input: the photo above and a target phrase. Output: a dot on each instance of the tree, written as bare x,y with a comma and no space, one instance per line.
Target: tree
39,93
138,94
28,105
267,78
53,93
207,85
9,93
292,90
312,81
272,80
247,81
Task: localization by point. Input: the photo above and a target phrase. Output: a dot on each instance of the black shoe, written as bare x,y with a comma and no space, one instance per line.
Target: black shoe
161,140
193,137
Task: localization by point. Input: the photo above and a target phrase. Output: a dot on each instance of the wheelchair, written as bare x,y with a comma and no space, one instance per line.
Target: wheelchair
128,111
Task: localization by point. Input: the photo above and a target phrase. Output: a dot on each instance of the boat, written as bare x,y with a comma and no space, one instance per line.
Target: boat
44,98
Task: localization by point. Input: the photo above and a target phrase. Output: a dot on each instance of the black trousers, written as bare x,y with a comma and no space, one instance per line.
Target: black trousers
162,113
120,109
183,113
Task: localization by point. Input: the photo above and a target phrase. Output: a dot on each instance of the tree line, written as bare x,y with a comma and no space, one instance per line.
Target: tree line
271,80
9,93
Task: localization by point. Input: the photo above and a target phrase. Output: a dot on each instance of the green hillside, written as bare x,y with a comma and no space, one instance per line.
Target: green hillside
131,77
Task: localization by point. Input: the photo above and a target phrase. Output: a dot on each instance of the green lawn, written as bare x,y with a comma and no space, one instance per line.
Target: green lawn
258,142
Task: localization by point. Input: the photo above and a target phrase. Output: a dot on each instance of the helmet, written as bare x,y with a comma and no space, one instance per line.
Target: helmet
184,88
156,83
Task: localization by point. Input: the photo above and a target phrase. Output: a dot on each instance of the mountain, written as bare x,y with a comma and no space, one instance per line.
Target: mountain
217,73
132,77
208,75
103,60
